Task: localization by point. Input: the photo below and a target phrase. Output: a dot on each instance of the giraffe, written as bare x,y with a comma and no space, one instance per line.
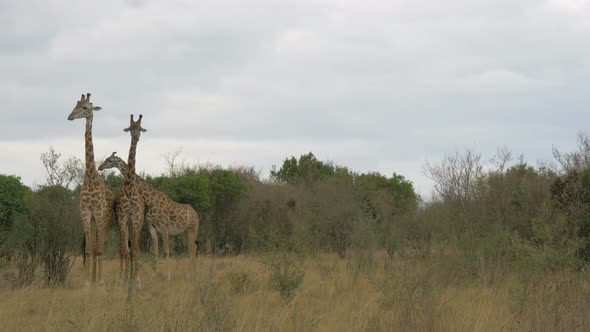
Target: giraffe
130,205
164,216
123,236
96,199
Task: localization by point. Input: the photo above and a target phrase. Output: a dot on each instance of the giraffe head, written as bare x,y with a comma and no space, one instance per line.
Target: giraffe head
135,128
83,108
113,162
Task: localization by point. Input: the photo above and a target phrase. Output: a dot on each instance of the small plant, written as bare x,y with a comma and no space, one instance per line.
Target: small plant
26,272
216,308
392,247
410,294
286,275
362,263
239,281
327,269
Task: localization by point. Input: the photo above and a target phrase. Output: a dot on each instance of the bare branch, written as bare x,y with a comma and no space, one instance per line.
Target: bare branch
67,174
457,177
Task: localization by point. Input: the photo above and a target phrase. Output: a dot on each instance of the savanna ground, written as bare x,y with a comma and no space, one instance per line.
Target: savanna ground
280,292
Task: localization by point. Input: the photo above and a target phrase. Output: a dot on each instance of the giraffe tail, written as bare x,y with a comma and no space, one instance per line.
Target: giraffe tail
83,251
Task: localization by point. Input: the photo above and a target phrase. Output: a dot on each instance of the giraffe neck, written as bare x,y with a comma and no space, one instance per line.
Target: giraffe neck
89,150
122,168
131,158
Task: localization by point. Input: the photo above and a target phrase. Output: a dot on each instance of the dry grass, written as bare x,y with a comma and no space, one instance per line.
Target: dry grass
363,293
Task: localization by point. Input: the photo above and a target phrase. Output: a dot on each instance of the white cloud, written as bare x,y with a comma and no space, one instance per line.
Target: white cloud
497,81
574,6
377,85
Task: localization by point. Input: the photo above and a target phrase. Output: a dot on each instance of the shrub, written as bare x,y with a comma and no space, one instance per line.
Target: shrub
264,218
307,170
216,308
47,233
286,275
12,203
239,281
409,296
391,246
362,263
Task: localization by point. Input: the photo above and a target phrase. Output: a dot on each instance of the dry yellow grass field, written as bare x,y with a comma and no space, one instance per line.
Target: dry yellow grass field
362,293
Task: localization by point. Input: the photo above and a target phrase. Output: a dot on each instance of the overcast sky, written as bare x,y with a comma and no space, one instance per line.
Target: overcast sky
373,85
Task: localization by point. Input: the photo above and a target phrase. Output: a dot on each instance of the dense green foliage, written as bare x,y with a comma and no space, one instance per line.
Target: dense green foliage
12,194
308,169
505,214
214,193
45,227
47,233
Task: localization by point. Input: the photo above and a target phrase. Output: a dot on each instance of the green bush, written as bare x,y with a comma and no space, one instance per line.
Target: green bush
47,233
216,306
264,218
391,246
409,296
307,170
214,193
239,282
286,274
362,263
12,203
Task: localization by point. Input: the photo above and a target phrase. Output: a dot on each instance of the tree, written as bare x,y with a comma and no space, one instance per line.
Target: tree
400,191
336,209
584,217
68,174
12,200
225,191
571,190
46,221
308,169
189,188
47,233
577,161
113,180
457,177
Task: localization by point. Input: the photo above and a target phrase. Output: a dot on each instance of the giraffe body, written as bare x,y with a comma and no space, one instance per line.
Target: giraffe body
130,207
124,252
164,216
96,199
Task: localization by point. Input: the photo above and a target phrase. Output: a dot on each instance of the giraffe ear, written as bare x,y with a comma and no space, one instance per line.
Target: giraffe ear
126,129
96,108
143,130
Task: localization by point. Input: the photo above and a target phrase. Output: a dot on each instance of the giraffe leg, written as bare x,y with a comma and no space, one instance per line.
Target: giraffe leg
94,265
166,245
89,250
196,229
154,236
99,247
95,237
123,251
192,249
136,223
134,251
